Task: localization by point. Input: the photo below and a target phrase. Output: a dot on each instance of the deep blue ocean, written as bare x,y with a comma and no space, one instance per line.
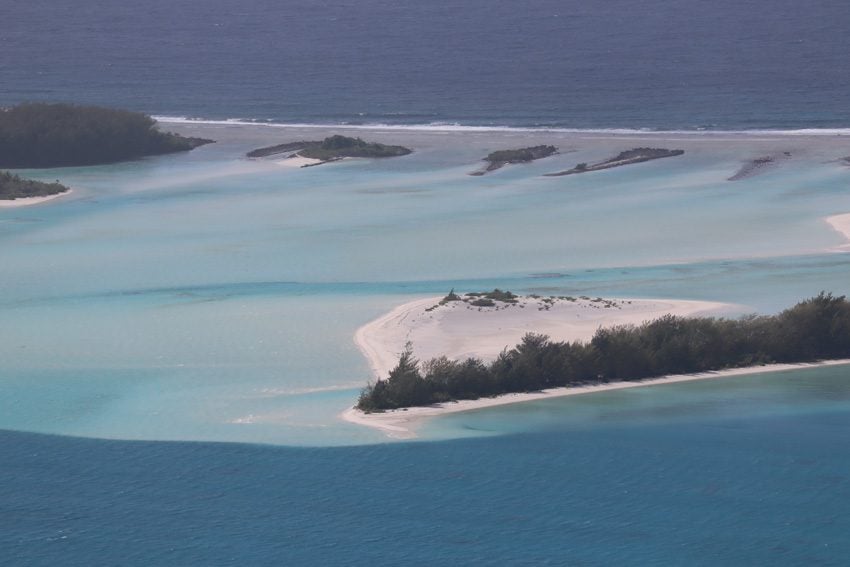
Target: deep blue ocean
758,475
657,64
730,491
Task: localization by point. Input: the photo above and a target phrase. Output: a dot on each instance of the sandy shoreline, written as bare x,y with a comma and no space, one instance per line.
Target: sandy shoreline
402,423
841,223
297,161
458,330
27,201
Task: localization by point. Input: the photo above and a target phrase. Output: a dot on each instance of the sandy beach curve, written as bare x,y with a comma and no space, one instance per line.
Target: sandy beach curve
841,224
27,201
459,330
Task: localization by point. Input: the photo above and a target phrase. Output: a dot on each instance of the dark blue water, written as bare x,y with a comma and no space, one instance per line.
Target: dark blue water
657,64
728,491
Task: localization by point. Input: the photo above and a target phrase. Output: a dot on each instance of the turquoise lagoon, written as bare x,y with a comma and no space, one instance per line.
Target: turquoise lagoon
181,328
210,297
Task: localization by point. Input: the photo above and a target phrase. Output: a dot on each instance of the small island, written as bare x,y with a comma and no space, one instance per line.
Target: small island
15,188
498,159
41,135
628,157
813,330
332,148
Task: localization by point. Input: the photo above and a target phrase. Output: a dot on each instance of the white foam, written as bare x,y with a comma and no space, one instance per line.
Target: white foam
456,127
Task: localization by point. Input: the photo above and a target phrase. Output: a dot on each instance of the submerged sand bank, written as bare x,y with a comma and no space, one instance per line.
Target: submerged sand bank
458,330
26,201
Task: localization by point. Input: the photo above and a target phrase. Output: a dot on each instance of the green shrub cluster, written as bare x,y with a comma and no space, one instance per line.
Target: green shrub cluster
815,329
521,155
14,187
335,147
495,295
55,135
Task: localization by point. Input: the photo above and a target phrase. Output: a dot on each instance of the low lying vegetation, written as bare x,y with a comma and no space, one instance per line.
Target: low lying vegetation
333,148
501,158
58,135
15,187
814,329
628,157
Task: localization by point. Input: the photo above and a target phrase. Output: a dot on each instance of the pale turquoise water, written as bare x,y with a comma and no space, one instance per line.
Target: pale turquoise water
209,297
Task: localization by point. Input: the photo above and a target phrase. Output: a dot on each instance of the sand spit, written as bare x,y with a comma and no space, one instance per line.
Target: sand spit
27,201
297,161
841,223
628,157
460,330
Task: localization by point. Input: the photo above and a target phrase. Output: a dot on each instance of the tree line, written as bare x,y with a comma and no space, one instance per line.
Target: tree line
34,135
14,187
814,329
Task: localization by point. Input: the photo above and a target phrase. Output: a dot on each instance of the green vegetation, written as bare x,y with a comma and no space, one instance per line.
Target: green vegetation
14,187
522,155
495,295
279,149
501,158
644,154
449,298
815,329
57,135
628,157
452,296
333,148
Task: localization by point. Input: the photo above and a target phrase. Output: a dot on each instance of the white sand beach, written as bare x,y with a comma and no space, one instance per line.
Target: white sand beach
841,223
27,201
297,161
458,330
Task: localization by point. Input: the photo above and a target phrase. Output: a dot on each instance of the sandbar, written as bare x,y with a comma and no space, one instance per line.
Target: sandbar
27,201
298,161
458,330
841,223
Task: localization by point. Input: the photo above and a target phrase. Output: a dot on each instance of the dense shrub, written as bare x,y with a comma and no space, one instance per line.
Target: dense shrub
14,187
54,135
814,329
